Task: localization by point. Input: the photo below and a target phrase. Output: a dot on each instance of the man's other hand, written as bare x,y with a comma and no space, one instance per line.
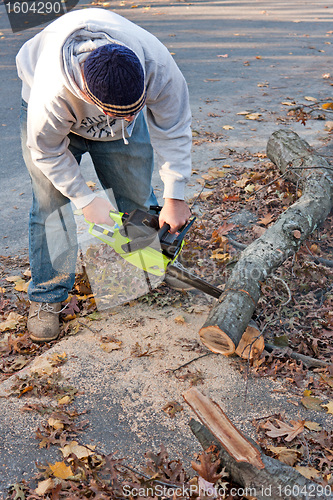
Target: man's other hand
98,211
175,213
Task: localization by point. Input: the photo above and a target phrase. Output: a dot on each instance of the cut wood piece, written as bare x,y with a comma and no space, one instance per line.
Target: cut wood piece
260,476
230,438
230,316
251,344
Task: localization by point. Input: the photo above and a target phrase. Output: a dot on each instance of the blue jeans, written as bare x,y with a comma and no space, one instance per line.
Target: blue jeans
126,170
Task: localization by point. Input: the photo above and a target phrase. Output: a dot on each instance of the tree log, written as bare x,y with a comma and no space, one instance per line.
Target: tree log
230,317
264,478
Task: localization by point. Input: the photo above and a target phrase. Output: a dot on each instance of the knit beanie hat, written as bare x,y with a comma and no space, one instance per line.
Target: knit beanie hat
114,80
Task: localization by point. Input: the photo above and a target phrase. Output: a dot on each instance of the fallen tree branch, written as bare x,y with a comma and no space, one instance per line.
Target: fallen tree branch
308,361
230,317
261,476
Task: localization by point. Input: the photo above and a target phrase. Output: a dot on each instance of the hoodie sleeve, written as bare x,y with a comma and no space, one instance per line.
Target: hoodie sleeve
169,121
47,138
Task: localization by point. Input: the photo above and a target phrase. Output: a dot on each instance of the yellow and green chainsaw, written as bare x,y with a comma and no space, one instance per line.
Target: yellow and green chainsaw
137,238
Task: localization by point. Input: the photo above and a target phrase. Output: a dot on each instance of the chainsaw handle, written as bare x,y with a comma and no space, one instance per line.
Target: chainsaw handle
163,230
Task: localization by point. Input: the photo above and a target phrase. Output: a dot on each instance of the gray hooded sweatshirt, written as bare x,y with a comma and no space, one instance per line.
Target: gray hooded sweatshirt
50,66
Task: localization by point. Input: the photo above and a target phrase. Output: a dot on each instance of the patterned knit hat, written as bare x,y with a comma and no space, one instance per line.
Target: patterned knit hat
114,80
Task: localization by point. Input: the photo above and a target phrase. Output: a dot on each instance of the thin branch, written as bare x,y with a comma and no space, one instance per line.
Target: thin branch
236,244
287,288
192,360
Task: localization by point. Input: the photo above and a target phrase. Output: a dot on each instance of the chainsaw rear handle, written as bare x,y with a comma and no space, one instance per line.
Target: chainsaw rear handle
163,230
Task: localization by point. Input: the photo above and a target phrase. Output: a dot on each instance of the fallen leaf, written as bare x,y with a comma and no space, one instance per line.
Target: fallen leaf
258,231
241,183
312,403
55,423
253,116
111,346
228,127
212,80
312,426
329,407
12,279
220,256
327,379
284,429
288,103
216,172
180,320
250,188
61,470
78,450
65,400
329,126
308,472
2,290
309,98
11,322
225,228
285,455
327,105
44,486
207,468
266,220
172,408
222,55
21,285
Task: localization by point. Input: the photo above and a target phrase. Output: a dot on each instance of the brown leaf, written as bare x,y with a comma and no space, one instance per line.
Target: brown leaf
44,486
208,469
329,407
180,320
267,219
283,429
285,455
308,472
312,403
225,228
172,408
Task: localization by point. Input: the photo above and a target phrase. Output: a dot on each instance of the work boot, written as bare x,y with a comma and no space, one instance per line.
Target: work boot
43,321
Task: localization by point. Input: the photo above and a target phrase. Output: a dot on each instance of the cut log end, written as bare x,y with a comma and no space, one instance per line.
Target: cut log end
250,345
216,340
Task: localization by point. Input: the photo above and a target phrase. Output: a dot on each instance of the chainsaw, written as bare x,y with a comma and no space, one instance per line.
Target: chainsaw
138,239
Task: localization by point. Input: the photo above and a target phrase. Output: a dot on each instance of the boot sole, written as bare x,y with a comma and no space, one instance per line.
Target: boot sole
40,340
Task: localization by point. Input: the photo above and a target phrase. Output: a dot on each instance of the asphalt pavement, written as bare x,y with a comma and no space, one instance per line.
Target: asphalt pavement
237,56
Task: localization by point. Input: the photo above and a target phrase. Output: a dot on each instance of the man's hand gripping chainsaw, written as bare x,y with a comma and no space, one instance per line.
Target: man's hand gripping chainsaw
137,238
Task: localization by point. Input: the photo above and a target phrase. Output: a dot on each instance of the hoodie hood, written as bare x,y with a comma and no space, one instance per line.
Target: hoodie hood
76,50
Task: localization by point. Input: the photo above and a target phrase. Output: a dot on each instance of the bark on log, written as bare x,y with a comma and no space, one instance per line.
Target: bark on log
274,481
230,317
